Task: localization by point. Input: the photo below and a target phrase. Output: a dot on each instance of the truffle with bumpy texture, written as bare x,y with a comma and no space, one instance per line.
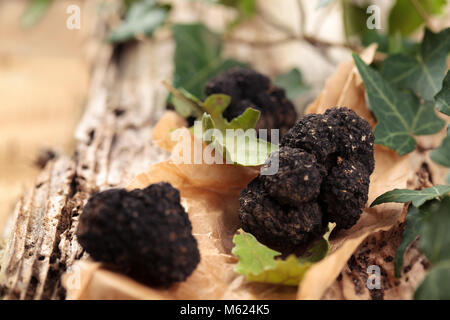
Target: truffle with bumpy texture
249,88
144,233
325,162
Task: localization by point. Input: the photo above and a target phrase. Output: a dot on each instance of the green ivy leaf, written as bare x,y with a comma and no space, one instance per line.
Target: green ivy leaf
443,97
424,72
243,148
435,235
34,12
258,263
435,285
405,19
198,57
412,230
417,197
143,18
292,83
400,115
441,155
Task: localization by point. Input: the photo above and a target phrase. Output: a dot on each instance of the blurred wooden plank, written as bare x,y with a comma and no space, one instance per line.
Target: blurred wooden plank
113,143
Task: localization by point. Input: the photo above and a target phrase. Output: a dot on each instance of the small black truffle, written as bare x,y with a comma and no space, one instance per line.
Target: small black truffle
249,88
325,162
144,233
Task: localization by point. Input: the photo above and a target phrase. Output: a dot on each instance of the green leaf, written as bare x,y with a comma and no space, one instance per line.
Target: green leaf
442,98
215,105
441,155
247,120
34,12
390,43
435,285
400,115
142,18
198,57
258,263
185,103
424,72
417,197
435,235
292,83
412,230
242,147
373,36
404,17
354,17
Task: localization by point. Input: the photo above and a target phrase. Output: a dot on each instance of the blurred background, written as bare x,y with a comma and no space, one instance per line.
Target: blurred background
45,66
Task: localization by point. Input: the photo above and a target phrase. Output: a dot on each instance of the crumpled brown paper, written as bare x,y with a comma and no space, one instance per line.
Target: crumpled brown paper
210,195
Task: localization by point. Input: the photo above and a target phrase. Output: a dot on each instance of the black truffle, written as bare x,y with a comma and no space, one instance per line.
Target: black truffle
144,233
325,162
249,88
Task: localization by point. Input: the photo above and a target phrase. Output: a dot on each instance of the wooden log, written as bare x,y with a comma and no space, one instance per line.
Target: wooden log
113,144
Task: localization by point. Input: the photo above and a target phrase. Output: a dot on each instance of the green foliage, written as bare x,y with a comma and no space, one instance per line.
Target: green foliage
443,97
416,197
373,36
34,12
258,263
414,222
400,115
142,18
441,155
292,83
246,8
390,44
243,148
197,57
422,73
405,18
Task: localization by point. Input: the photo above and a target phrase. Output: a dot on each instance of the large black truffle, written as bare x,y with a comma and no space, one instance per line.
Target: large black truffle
249,88
144,233
325,162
